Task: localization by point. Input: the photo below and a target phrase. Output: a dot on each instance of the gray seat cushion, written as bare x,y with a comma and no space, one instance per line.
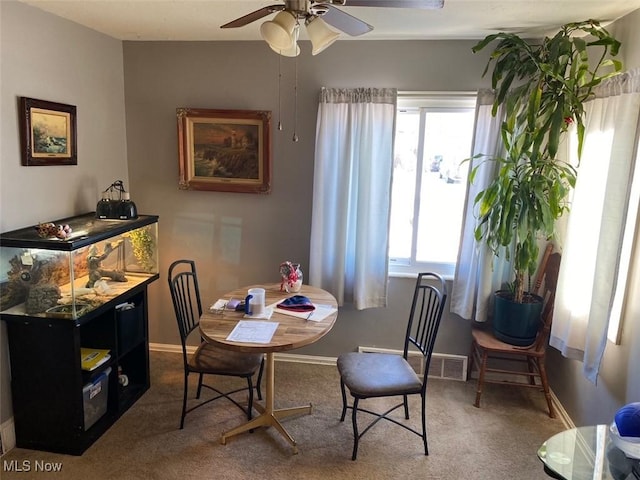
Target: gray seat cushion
377,374
210,359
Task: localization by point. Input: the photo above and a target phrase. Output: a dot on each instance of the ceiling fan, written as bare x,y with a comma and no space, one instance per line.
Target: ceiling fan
281,32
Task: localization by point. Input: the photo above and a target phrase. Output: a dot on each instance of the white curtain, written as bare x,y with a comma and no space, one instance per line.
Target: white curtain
351,194
478,272
596,224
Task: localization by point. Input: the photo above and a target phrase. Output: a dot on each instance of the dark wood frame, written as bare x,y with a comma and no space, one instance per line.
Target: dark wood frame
252,150
30,157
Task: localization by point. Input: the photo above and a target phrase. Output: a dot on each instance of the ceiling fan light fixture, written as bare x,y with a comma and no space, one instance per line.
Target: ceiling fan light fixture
320,34
279,32
292,51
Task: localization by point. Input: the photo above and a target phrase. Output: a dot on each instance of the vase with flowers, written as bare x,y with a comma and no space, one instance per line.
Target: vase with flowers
291,277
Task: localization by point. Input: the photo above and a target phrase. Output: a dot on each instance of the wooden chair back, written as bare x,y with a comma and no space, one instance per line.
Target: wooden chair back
546,284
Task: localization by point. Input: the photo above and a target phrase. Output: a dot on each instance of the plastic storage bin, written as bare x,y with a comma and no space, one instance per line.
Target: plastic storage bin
95,396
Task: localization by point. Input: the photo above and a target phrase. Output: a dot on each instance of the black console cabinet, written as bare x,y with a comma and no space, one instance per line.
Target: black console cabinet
47,380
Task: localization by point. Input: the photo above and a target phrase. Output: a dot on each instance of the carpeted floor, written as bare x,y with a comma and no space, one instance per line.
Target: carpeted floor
497,441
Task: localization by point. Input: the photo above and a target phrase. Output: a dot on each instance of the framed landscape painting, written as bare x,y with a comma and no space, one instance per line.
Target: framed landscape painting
48,133
224,150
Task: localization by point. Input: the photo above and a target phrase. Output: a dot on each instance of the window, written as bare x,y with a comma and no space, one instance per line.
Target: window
433,136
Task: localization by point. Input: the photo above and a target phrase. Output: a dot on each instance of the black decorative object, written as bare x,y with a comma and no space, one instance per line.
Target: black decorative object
120,208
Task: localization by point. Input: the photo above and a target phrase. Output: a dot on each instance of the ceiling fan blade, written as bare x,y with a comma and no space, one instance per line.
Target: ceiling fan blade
431,4
253,16
344,22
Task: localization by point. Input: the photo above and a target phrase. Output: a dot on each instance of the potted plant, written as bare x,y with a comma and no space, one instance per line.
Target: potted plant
143,248
542,88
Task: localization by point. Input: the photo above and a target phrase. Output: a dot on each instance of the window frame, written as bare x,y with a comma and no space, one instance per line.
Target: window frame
427,102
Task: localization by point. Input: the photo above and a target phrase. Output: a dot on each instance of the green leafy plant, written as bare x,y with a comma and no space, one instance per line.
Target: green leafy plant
143,247
542,88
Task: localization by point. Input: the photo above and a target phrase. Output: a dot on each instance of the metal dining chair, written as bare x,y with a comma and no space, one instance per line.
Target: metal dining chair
207,359
374,375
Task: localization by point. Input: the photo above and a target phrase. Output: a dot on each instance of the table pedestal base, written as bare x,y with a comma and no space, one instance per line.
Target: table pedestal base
269,417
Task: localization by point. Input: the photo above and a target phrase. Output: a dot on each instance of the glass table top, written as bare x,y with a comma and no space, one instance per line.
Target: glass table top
587,453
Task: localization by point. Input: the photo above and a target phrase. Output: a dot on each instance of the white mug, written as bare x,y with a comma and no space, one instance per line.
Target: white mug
254,302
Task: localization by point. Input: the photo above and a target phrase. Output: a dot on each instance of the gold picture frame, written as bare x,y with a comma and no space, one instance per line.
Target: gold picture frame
48,133
224,150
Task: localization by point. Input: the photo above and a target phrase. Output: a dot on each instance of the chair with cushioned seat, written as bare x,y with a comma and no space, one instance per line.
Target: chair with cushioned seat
207,359
375,375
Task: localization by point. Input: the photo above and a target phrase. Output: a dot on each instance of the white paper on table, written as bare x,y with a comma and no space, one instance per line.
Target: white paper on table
320,313
253,331
264,315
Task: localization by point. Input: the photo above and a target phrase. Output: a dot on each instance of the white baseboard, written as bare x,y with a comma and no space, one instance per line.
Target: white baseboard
168,348
313,359
561,412
280,357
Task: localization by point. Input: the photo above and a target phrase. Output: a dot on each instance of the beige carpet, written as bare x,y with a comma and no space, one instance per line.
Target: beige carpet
498,441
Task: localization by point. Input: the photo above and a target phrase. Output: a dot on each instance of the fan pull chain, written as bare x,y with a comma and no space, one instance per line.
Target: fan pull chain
295,103
279,91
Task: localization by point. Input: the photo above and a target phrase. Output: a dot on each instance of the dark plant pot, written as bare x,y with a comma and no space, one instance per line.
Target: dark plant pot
516,323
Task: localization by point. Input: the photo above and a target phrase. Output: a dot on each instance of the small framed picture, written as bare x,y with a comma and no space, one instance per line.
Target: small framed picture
224,150
48,133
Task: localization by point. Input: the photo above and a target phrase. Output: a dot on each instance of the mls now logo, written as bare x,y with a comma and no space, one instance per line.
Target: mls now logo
29,466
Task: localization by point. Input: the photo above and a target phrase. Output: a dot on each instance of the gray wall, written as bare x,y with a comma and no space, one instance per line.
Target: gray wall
48,58
239,239
235,238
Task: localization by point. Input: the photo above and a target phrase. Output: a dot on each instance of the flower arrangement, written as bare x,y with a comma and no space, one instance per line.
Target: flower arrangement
291,277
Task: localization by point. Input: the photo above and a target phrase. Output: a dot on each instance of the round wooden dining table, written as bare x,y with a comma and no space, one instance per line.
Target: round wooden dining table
291,332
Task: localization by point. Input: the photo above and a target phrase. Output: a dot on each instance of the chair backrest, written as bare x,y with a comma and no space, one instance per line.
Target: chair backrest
185,293
542,268
429,297
548,293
